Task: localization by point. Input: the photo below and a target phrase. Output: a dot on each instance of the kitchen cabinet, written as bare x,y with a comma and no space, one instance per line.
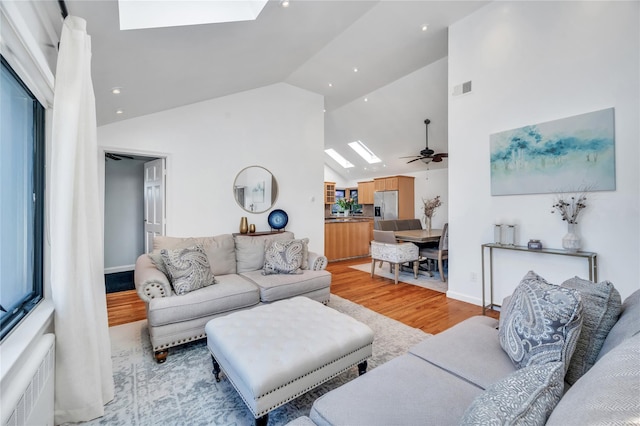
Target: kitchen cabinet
388,183
329,192
347,239
365,192
406,193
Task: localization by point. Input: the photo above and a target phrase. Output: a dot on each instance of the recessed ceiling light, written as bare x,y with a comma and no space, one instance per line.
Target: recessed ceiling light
364,152
116,90
355,69
366,99
339,158
425,27
330,84
284,3
119,111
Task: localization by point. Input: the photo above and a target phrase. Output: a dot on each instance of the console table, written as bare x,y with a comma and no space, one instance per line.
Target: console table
591,257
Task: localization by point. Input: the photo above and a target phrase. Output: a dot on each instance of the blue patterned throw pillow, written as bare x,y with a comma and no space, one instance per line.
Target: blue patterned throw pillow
541,324
188,269
525,397
283,257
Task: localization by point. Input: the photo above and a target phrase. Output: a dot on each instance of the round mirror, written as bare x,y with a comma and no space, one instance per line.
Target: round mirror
255,189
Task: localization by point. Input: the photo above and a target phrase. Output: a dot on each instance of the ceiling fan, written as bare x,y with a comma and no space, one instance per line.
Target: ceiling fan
116,157
427,155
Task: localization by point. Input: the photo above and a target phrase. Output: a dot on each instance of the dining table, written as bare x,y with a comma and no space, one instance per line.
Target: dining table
419,235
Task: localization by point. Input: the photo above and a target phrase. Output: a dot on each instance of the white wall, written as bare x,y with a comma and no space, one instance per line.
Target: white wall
427,185
279,127
123,214
532,62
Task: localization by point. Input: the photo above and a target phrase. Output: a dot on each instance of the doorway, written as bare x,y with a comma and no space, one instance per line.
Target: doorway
134,207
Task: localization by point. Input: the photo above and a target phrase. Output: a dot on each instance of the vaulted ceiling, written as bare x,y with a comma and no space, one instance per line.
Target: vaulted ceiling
314,45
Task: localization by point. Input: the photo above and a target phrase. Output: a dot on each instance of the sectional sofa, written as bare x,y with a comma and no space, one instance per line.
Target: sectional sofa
465,375
177,314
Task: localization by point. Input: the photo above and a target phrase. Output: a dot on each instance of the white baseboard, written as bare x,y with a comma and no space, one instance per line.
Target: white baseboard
464,298
115,269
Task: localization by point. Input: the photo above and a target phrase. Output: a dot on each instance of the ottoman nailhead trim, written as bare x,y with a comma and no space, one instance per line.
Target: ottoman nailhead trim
292,397
313,371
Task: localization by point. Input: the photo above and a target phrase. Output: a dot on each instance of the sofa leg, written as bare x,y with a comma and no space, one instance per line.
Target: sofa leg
161,356
263,421
216,369
362,367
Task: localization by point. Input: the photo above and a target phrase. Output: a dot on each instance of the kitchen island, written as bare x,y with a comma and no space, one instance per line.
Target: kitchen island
347,237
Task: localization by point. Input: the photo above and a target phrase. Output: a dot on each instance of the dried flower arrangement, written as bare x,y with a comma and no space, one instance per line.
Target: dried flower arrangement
570,208
431,205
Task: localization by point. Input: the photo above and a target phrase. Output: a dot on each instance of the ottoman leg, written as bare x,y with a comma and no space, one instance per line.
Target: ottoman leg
216,369
362,367
161,356
263,421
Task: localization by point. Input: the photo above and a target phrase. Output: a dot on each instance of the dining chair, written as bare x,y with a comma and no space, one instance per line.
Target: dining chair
385,248
440,253
387,225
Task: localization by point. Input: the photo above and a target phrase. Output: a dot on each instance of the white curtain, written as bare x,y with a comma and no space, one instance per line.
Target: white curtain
84,381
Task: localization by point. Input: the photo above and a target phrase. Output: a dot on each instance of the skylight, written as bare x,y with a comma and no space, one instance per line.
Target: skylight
364,152
339,158
136,14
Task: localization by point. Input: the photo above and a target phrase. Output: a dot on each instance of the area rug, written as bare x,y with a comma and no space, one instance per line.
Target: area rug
183,391
406,276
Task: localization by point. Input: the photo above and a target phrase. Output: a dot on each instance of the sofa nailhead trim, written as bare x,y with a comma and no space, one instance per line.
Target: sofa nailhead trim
179,342
147,290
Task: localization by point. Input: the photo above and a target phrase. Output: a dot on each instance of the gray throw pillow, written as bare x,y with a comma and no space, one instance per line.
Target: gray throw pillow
283,257
601,305
541,324
188,269
305,253
525,397
156,259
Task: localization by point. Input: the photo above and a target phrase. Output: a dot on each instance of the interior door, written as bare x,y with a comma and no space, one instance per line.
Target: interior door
154,206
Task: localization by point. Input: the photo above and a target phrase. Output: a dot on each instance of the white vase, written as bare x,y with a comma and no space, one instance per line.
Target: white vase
346,213
571,241
427,223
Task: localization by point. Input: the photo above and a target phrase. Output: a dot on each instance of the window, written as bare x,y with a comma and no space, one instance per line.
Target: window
21,199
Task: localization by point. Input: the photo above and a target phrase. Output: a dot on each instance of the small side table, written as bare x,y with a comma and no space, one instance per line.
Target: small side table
592,259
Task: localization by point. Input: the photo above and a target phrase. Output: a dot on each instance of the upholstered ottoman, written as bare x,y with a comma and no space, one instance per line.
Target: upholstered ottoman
274,353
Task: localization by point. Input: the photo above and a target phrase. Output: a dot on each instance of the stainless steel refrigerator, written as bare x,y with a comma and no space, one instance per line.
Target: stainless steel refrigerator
385,206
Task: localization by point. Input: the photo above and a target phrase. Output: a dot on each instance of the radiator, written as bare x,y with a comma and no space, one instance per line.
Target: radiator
28,400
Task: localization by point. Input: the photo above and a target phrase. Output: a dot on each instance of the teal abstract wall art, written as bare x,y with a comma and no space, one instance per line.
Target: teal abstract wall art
555,156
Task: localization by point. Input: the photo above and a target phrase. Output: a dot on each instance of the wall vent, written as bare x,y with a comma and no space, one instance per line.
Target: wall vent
461,89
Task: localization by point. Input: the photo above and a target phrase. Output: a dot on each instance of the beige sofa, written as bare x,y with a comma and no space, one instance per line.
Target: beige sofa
236,262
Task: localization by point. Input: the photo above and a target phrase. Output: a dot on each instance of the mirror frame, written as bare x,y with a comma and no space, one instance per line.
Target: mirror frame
274,190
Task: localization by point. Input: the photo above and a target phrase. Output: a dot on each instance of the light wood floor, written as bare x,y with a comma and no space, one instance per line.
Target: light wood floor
418,307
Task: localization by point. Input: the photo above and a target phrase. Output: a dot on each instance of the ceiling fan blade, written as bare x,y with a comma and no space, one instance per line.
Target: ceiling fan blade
411,156
112,157
419,158
438,157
